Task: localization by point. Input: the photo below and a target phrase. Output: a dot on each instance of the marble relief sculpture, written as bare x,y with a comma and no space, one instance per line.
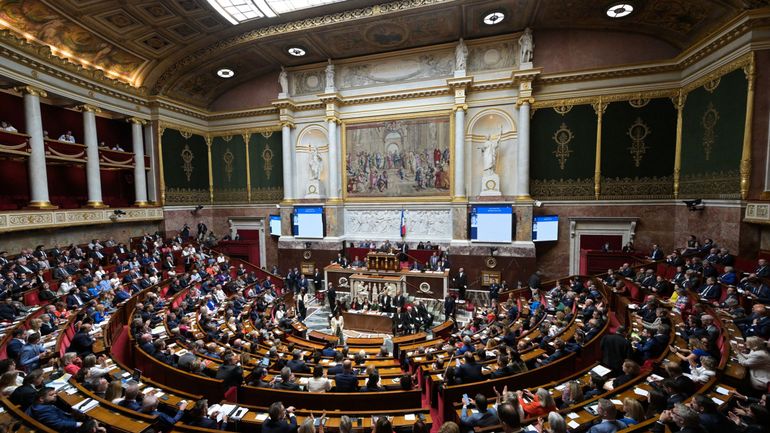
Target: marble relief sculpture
315,164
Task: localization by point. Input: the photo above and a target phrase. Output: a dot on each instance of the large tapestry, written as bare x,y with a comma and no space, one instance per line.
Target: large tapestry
398,158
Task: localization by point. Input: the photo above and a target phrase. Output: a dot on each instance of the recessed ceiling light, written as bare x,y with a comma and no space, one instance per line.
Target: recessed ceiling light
226,73
493,18
620,10
297,51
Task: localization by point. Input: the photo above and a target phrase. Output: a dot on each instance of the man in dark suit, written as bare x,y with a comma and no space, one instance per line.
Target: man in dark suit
60,272
331,294
318,280
346,381
449,308
13,349
277,422
46,412
461,283
399,301
297,364
711,291
230,372
202,229
755,324
615,349
82,342
656,253
534,281
337,367
24,395
287,381
469,371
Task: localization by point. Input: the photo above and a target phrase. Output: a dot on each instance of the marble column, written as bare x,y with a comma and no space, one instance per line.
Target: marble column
522,173
140,176
459,153
288,175
93,174
38,176
334,168
152,175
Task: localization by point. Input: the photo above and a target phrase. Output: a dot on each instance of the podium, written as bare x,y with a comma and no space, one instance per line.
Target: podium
382,262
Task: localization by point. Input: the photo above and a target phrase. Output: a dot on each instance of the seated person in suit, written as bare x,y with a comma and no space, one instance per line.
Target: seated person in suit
277,420
46,412
372,384
346,381
287,381
486,416
132,398
199,417
150,407
470,371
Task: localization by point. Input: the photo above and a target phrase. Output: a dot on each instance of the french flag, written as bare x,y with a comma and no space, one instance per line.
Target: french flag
403,224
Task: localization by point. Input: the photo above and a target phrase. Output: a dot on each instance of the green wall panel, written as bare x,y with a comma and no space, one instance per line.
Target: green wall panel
638,150
712,138
266,165
570,176
228,157
185,168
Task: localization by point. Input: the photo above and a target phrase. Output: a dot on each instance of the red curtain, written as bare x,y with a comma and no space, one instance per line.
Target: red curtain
249,235
67,186
118,187
12,110
58,120
113,131
14,175
595,242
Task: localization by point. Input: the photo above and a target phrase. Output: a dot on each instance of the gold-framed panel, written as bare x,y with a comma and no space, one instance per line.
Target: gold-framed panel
425,114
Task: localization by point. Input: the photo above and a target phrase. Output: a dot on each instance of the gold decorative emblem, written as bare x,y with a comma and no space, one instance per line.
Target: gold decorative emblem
562,109
490,185
267,134
186,134
712,85
491,262
639,102
307,255
187,157
709,121
267,157
227,138
311,189
638,131
228,158
563,136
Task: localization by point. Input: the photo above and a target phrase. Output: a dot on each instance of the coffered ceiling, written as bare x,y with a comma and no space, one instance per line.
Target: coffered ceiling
174,47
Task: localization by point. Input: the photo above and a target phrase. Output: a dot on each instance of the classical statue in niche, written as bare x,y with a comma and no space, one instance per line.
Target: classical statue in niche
283,80
330,76
526,46
489,152
315,164
461,55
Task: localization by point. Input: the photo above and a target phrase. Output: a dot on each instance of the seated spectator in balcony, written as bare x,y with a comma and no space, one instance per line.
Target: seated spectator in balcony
7,127
67,137
486,416
103,145
46,412
728,277
540,403
711,291
757,323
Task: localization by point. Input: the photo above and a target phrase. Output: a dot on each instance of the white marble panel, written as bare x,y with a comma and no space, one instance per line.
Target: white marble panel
381,224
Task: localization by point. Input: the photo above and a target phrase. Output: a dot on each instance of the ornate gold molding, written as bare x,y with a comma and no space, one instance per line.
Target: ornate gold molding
89,108
458,107
209,141
741,62
528,100
31,90
246,139
288,123
136,121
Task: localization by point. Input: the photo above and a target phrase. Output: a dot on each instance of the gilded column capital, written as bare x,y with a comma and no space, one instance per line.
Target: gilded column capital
89,108
458,107
334,119
31,90
525,100
286,123
136,120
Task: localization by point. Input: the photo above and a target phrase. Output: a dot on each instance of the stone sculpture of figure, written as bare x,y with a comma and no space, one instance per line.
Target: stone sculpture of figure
315,164
330,75
283,80
489,152
461,54
526,46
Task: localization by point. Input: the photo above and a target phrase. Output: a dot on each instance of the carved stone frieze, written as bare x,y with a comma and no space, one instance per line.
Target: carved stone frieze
434,224
17,221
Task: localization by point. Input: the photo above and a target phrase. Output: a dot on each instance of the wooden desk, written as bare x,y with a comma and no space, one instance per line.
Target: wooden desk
377,323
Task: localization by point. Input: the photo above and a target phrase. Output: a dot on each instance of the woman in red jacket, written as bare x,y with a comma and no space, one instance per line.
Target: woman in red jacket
539,405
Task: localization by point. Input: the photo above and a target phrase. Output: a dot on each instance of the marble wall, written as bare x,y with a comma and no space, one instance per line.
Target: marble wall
666,224
13,242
